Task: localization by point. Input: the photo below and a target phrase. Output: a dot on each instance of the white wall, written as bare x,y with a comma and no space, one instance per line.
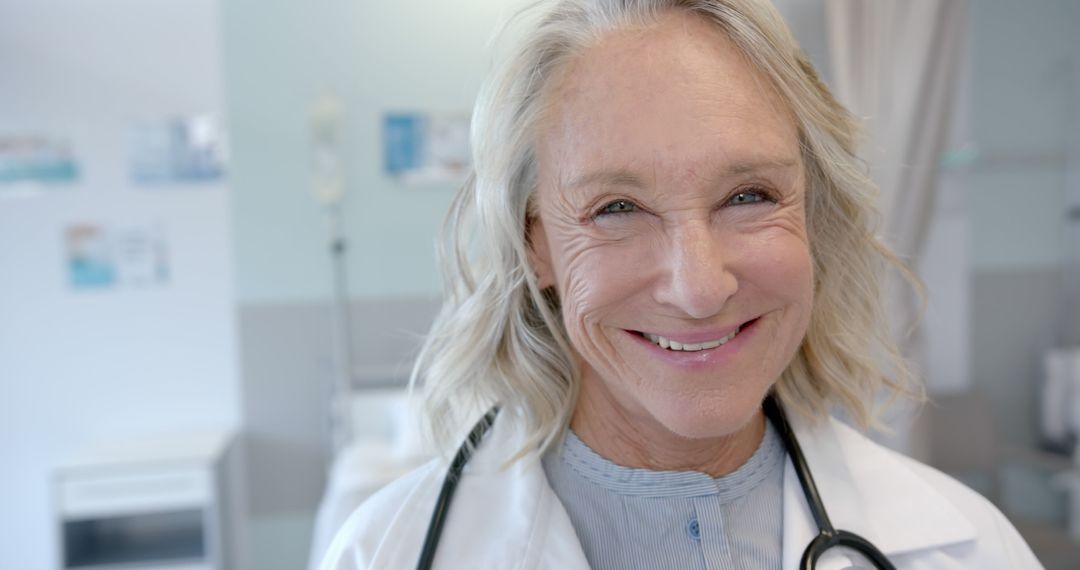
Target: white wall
77,366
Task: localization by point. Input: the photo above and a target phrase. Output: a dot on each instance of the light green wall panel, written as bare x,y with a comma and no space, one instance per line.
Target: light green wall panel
376,57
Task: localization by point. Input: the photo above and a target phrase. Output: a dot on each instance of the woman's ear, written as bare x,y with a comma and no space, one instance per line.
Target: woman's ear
539,253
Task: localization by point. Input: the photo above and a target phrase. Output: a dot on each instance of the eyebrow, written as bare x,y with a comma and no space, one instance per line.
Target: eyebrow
626,177
619,177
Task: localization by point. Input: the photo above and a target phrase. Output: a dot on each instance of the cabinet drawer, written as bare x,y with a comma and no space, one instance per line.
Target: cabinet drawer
104,494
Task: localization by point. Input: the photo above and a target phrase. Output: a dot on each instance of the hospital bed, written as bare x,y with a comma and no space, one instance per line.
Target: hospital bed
383,444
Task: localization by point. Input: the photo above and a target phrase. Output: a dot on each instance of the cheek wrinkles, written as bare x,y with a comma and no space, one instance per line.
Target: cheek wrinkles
576,290
576,250
560,206
793,219
792,216
783,224
584,312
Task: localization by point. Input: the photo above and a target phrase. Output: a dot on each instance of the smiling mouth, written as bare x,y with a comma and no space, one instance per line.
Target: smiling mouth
669,344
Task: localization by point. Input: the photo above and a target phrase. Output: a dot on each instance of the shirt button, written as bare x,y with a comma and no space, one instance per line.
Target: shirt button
694,529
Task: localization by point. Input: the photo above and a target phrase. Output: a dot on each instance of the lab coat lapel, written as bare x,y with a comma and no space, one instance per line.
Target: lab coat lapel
800,529
503,517
868,490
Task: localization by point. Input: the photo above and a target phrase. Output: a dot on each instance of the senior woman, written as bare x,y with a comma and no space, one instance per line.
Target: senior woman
661,278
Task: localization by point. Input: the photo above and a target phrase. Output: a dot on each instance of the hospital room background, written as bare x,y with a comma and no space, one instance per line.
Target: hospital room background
217,221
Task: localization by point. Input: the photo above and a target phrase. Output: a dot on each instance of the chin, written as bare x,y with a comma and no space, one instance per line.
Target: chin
705,417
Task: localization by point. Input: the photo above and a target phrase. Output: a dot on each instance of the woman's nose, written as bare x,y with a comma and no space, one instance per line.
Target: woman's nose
698,280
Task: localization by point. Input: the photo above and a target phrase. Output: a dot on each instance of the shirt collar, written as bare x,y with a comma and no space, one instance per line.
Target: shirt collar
585,463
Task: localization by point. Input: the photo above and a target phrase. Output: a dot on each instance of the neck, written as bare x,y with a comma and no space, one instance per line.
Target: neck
633,442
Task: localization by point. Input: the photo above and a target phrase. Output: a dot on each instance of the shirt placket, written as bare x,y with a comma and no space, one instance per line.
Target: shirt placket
712,535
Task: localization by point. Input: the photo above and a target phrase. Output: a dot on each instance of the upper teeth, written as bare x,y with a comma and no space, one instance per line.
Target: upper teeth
675,345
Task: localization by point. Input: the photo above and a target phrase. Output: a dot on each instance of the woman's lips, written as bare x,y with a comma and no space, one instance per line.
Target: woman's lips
696,337
665,342
699,347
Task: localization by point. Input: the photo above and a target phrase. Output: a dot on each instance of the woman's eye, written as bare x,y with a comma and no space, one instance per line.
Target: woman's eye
619,207
747,197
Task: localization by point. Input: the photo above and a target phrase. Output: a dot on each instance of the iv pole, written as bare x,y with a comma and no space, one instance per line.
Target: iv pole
329,189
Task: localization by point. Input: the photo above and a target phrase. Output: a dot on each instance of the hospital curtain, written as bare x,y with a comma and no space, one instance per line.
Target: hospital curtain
895,64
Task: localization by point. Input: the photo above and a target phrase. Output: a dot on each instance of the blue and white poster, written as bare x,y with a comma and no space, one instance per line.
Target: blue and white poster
32,162
106,257
426,147
89,257
178,150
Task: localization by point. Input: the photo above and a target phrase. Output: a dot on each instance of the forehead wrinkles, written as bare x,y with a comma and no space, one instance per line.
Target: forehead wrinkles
564,94
676,39
664,82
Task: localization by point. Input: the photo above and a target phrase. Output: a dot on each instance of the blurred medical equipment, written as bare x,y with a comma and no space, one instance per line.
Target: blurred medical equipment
386,445
1061,420
966,444
328,188
1061,397
372,435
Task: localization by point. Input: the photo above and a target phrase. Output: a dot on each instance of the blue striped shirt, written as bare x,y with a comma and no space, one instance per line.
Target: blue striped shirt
628,518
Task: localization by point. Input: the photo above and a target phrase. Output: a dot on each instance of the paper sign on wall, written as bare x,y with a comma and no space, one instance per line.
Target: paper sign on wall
179,150
32,162
426,147
100,257
89,257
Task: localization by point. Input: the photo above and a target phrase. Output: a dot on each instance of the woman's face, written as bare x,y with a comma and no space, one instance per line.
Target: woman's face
671,221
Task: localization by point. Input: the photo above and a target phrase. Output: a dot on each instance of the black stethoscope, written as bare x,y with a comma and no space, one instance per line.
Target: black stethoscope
828,537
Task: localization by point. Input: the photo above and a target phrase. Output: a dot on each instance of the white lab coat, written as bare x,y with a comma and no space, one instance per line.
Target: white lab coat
511,519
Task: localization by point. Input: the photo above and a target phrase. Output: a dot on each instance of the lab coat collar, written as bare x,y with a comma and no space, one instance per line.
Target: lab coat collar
502,516
868,490
510,513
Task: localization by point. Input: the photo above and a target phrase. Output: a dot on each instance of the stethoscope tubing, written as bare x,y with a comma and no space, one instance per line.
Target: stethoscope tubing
828,537
453,475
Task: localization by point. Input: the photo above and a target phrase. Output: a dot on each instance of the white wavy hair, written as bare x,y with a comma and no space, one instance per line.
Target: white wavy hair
499,338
